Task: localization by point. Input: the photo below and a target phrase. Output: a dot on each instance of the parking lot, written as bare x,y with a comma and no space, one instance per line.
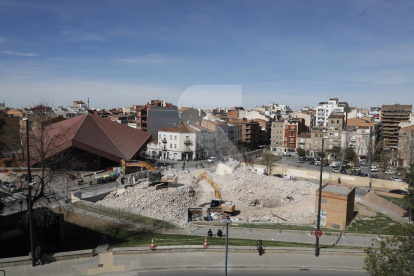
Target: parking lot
293,162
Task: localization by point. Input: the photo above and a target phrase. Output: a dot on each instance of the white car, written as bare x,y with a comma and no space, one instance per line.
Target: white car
335,170
389,172
374,170
397,179
212,160
288,176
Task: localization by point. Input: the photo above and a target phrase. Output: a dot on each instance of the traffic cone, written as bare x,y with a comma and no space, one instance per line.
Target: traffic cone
205,242
152,244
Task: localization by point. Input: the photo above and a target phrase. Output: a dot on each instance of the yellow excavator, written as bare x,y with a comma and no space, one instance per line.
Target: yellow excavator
154,177
227,206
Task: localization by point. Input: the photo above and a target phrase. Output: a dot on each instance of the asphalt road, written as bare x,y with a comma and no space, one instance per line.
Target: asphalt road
249,272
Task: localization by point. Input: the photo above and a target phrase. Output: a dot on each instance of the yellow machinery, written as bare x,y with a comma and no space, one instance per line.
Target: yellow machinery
227,206
155,176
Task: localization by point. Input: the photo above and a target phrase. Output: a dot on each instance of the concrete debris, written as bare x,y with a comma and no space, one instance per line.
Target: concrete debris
257,197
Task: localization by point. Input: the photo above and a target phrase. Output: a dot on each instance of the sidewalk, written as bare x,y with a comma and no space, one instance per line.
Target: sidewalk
286,236
382,210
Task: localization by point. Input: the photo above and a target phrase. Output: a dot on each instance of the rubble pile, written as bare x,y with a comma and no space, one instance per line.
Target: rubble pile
166,204
272,197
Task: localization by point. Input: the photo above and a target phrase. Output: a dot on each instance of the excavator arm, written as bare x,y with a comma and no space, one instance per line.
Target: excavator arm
206,177
145,165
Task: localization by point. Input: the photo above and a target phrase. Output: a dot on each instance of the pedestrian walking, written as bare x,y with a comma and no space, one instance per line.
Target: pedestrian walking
38,254
260,248
339,180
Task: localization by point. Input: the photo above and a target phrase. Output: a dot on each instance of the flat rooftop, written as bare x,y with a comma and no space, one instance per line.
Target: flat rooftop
336,189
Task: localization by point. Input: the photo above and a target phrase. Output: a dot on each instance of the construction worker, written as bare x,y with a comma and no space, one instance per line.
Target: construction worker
219,233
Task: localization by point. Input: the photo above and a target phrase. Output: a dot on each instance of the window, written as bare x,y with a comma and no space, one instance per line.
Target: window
175,138
330,134
160,136
337,121
175,145
316,135
170,146
171,137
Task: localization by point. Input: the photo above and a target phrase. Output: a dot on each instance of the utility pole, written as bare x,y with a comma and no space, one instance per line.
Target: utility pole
318,224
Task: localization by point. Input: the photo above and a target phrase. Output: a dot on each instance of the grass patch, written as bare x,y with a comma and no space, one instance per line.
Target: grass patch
282,227
397,201
116,213
373,225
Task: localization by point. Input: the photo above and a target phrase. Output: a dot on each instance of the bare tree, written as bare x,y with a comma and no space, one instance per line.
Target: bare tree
51,161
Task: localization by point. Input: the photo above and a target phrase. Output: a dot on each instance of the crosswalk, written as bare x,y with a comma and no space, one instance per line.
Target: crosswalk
13,197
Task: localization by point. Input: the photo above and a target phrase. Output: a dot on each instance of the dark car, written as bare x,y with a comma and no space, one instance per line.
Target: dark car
278,175
311,162
399,192
343,171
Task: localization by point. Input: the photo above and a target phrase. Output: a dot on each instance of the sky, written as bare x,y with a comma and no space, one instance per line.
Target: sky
206,53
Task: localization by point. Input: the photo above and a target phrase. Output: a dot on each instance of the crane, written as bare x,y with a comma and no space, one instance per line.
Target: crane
227,206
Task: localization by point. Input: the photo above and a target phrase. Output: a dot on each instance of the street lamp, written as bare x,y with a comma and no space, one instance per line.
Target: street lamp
29,203
227,221
318,223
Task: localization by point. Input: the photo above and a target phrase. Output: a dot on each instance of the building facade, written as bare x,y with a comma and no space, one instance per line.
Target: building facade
276,137
324,110
391,117
375,113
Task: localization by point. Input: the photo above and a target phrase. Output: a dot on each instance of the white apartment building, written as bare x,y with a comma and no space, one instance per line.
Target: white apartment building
72,111
185,142
375,113
324,110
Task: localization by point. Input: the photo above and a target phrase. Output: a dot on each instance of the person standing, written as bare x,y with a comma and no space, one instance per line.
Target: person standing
260,247
38,254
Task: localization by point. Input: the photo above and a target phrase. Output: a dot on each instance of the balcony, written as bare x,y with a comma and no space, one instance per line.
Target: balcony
187,142
164,148
164,140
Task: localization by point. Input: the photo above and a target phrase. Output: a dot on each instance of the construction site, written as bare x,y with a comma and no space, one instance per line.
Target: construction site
233,190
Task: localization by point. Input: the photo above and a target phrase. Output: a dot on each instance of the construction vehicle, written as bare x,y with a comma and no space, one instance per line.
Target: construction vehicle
154,176
227,206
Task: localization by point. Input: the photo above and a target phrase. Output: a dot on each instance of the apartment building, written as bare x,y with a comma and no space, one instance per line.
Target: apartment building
222,138
277,136
324,110
317,135
265,126
391,117
235,133
191,115
250,132
335,126
375,113
185,142
304,141
406,145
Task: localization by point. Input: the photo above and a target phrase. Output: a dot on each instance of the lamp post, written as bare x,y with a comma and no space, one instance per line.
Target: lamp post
318,223
29,203
227,221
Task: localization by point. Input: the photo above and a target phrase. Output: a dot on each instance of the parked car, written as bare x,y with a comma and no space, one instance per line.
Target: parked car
396,179
311,162
301,161
278,175
5,185
212,160
343,171
374,167
374,170
317,163
399,192
288,176
335,170
389,172
364,174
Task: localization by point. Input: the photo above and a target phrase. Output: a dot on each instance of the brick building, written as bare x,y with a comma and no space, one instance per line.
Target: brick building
337,206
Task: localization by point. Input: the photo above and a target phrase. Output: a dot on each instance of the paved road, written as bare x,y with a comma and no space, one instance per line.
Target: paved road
249,272
144,264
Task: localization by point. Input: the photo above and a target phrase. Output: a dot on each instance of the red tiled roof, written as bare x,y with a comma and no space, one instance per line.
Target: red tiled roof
96,135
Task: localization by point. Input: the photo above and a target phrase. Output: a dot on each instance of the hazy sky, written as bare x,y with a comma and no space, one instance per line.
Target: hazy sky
206,53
